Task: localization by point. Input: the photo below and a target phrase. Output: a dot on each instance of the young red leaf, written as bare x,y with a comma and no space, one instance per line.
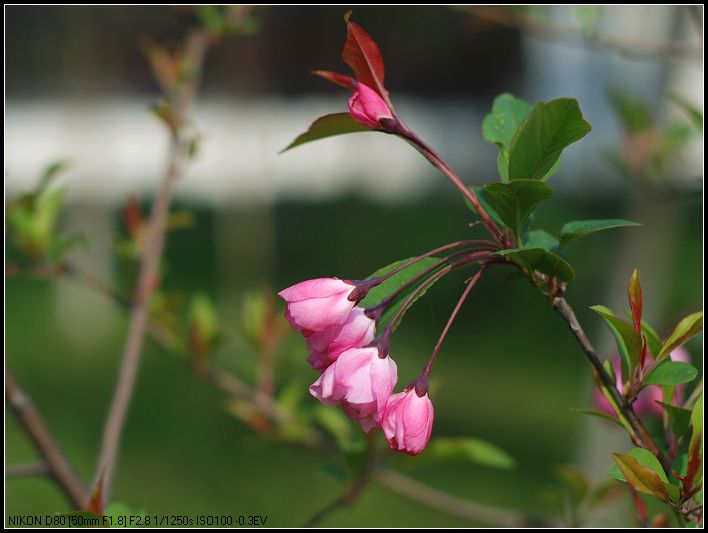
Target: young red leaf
634,290
339,79
363,56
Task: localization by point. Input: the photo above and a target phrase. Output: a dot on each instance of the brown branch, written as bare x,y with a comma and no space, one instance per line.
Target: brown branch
638,49
29,470
639,435
56,463
197,45
452,505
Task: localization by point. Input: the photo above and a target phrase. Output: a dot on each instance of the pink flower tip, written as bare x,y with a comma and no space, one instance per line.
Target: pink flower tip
408,421
361,382
356,331
317,304
367,107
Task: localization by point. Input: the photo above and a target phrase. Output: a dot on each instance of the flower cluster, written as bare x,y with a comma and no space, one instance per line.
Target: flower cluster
357,372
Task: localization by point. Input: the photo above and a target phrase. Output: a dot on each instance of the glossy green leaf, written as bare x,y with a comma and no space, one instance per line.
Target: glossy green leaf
378,293
671,373
483,199
579,228
541,137
538,259
629,342
468,450
507,113
653,341
679,417
515,201
684,331
328,126
500,125
540,238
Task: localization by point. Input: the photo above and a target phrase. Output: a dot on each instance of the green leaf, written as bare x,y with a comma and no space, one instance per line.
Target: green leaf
483,199
499,126
653,341
697,415
460,449
679,417
642,470
516,200
507,113
697,428
671,373
63,244
540,238
599,414
579,228
378,293
541,137
629,342
50,172
539,259
691,110
328,126
684,331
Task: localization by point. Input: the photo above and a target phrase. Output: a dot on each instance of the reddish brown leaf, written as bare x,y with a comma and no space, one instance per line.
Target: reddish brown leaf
634,290
363,56
641,478
339,79
694,462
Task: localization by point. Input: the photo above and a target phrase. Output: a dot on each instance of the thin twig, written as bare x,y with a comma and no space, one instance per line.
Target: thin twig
452,505
639,49
54,458
30,470
640,435
197,45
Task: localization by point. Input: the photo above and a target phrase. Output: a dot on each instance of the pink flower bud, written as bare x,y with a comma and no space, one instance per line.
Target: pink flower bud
408,421
361,381
645,402
317,304
357,331
367,107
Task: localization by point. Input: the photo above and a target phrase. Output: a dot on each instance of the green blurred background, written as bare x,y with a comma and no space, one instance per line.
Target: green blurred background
509,372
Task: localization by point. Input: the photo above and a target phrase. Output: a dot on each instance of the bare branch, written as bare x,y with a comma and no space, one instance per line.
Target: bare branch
642,50
30,470
640,435
452,505
55,461
198,43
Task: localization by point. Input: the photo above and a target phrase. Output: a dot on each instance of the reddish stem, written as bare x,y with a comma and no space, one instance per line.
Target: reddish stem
470,284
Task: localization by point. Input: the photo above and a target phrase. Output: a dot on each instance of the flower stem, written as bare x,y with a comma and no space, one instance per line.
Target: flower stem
470,284
452,245
437,161
413,296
